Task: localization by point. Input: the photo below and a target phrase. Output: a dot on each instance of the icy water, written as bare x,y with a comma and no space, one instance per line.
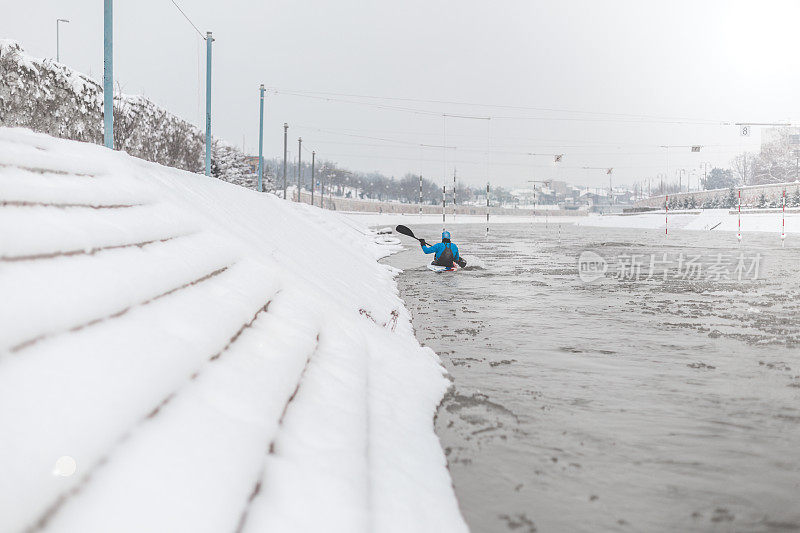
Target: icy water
621,404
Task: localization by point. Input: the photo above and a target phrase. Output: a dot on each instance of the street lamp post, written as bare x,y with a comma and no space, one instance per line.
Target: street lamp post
58,39
313,161
108,74
285,130
261,139
209,40
705,166
299,165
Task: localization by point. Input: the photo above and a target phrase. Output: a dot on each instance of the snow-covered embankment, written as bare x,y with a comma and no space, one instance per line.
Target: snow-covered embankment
700,220
211,358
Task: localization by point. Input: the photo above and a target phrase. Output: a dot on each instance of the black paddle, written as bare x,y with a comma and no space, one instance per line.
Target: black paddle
405,230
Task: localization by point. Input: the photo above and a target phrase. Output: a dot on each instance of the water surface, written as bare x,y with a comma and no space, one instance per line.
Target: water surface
620,404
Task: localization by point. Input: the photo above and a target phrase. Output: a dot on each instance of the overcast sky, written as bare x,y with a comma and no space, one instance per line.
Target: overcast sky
606,83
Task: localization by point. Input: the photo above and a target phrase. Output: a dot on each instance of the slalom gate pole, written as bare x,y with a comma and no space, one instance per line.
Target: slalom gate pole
444,201
739,235
666,216
487,209
454,194
783,220
420,198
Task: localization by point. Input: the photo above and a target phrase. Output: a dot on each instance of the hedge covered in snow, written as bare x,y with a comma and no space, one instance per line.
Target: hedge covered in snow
51,98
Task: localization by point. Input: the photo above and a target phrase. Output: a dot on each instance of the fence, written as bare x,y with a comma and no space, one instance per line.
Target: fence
369,206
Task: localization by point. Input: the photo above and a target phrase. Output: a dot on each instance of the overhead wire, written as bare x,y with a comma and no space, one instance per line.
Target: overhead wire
496,106
622,118
189,20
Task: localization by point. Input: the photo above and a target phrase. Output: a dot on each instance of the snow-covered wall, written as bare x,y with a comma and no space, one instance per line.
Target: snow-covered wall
51,98
181,354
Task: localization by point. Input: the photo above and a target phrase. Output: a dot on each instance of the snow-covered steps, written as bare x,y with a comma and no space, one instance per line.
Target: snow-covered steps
211,359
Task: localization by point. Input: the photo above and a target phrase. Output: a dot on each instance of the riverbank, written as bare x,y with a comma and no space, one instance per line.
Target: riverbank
700,220
182,354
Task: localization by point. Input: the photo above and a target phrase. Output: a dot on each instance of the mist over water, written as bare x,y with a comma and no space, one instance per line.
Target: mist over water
620,404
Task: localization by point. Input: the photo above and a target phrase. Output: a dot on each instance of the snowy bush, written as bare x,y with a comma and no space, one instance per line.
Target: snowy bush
50,97
795,199
732,199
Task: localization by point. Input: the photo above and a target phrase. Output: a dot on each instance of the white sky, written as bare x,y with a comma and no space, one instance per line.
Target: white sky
718,61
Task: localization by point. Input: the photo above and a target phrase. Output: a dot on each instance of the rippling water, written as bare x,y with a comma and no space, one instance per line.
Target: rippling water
620,404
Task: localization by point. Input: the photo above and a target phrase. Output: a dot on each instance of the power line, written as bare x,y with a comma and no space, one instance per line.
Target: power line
398,141
409,145
190,20
622,117
526,142
384,106
500,106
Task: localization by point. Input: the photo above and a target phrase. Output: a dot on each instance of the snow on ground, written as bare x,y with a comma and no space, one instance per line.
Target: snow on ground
211,358
701,220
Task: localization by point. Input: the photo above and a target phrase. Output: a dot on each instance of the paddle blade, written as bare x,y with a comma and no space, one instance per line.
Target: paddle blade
405,231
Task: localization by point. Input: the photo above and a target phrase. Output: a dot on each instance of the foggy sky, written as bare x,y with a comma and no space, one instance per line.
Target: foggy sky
718,61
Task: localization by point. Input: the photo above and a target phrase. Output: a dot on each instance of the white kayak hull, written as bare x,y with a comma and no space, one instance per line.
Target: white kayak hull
438,268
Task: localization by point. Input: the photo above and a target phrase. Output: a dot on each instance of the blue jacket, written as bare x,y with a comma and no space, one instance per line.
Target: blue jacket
439,247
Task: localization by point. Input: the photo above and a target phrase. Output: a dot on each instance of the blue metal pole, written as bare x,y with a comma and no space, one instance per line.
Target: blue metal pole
261,141
209,40
108,75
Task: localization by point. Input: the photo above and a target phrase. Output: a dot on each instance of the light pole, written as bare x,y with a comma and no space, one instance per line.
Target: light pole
108,74
261,139
285,130
313,161
209,40
58,39
705,166
299,165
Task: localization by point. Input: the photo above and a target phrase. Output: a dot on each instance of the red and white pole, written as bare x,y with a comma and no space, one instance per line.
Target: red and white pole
783,219
739,235
666,215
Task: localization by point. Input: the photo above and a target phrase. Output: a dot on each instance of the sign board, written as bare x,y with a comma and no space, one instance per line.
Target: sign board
695,148
744,131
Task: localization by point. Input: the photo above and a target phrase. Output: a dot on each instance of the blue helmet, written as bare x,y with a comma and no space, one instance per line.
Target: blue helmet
446,235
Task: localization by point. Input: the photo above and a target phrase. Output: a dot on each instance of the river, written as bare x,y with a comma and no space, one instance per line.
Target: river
655,389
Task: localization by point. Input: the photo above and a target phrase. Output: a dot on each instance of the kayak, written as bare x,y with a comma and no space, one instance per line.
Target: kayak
439,268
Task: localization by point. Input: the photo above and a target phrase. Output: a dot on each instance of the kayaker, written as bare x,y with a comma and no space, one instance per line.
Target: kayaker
446,251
